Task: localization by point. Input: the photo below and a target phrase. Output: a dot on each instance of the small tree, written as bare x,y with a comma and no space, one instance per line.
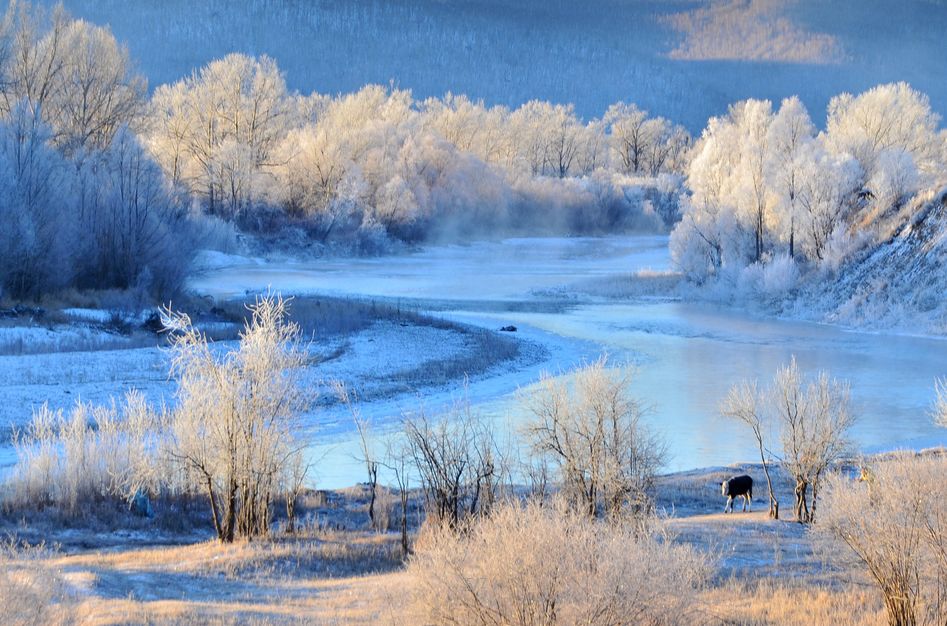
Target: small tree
814,419
591,433
457,461
745,404
235,425
369,457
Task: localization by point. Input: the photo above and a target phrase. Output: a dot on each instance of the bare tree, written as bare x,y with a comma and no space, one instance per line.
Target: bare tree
811,419
814,418
591,432
455,457
369,457
398,459
234,426
745,404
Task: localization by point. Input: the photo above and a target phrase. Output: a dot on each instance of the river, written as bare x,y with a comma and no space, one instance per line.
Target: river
686,355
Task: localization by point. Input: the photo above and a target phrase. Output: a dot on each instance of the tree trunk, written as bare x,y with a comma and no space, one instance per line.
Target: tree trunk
404,523
773,502
291,513
230,519
801,507
373,486
213,507
815,496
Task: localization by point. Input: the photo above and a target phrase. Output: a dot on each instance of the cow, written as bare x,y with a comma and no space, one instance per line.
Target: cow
737,486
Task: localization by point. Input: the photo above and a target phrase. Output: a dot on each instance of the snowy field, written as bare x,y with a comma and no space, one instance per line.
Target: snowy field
389,364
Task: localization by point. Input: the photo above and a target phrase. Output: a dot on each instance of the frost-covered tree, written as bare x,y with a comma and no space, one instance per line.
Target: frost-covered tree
829,184
630,136
216,131
790,137
592,433
234,429
753,196
642,144
814,418
134,229
75,76
99,91
707,236
810,418
888,117
36,208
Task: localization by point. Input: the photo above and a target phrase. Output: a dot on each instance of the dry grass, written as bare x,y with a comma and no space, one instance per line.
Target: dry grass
788,605
348,578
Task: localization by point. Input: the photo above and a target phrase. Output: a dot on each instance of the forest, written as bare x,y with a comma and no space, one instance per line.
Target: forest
113,187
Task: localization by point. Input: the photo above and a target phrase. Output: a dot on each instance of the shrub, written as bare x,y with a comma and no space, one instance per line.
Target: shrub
31,594
91,454
531,564
894,519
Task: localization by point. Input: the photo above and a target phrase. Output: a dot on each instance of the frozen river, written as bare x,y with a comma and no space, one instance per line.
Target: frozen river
686,355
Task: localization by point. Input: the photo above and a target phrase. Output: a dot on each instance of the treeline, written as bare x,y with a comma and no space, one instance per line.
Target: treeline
772,197
377,163
105,188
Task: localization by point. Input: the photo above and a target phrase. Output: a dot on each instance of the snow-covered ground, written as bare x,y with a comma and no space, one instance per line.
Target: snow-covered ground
388,364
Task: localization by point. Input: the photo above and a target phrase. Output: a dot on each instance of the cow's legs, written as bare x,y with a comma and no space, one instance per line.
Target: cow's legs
746,500
728,508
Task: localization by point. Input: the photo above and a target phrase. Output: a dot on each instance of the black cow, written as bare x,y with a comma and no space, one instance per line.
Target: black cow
736,487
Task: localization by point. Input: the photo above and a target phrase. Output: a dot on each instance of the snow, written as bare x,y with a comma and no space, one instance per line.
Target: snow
56,338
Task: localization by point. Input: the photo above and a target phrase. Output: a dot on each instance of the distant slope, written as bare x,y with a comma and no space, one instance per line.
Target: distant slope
899,284
591,53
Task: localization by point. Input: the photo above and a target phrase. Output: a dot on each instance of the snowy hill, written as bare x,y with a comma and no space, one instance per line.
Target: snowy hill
684,60
899,283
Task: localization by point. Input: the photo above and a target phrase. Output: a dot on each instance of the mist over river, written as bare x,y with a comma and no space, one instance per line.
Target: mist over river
687,355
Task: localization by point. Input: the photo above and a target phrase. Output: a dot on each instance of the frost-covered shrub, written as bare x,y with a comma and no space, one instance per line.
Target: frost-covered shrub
894,520
90,454
773,279
534,564
30,593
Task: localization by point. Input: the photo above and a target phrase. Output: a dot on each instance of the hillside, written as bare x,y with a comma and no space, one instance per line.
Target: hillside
898,283
679,59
